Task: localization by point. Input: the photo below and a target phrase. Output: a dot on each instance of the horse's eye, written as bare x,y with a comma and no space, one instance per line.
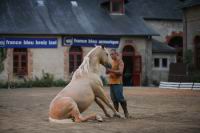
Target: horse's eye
107,54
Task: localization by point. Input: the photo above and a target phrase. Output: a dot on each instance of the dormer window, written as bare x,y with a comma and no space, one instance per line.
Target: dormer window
117,6
40,3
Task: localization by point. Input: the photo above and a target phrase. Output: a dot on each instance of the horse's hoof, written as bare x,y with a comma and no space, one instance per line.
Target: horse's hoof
108,115
117,115
99,118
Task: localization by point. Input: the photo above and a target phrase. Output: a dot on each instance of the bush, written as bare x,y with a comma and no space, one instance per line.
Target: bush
195,76
145,82
47,80
155,83
2,58
104,80
3,85
59,83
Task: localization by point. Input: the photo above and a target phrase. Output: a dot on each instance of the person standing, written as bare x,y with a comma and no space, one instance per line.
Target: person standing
115,81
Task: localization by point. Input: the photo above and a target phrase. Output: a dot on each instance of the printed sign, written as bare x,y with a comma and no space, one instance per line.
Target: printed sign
91,41
9,42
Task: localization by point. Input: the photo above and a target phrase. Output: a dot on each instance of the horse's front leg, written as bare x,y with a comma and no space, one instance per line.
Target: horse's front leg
100,93
81,118
98,101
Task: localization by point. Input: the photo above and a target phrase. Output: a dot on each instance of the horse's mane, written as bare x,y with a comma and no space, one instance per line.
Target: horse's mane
84,67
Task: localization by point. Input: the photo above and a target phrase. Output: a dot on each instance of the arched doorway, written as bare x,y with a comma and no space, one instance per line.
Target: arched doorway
20,62
75,58
197,51
177,43
128,59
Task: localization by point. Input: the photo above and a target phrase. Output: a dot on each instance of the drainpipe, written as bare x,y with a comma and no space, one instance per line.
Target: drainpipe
185,30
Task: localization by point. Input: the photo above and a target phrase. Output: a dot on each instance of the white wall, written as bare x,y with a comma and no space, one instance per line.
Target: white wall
160,73
49,60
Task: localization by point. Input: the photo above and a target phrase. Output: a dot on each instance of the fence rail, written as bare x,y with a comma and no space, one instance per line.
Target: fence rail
180,85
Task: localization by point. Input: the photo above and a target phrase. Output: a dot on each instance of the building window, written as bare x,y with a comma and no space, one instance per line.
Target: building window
156,62
40,3
164,62
161,63
74,3
117,6
20,62
75,58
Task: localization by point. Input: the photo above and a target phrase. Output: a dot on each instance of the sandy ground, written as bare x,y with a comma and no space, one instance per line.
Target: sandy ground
153,110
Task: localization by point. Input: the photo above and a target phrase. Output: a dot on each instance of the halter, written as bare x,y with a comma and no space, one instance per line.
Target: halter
85,65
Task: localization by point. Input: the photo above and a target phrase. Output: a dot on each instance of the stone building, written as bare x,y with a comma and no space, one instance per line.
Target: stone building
191,10
54,36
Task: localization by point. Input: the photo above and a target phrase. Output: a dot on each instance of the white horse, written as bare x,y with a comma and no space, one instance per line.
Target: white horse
84,88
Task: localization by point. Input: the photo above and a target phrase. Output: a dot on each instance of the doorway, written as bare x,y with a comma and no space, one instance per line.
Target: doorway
20,62
128,59
75,58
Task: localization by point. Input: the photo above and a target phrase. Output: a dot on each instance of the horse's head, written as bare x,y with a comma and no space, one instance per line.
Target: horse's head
104,57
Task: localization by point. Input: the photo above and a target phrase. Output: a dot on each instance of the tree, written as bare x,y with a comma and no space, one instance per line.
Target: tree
187,59
2,58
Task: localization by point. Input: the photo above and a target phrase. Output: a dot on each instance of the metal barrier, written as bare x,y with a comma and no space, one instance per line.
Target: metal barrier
180,85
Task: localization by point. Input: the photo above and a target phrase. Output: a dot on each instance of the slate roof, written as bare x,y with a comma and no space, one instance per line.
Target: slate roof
160,47
88,18
190,3
156,9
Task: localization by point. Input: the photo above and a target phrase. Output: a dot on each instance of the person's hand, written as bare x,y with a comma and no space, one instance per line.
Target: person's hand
108,70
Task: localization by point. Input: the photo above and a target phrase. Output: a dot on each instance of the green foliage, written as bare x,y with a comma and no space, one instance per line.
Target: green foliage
2,58
104,80
145,82
3,85
59,83
195,76
47,80
187,59
155,83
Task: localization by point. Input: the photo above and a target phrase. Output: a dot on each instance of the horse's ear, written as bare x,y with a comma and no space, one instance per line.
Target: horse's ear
102,46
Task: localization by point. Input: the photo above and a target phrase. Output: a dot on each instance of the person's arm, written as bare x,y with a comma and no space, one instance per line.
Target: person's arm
119,71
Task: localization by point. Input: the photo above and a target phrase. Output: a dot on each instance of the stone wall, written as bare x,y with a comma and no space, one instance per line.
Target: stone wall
191,26
142,47
49,60
165,28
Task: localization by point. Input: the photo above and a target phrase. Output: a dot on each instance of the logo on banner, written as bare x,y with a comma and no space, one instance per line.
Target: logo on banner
9,42
68,41
2,42
91,41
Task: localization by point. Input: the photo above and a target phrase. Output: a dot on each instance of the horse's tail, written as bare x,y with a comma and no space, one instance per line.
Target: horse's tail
63,121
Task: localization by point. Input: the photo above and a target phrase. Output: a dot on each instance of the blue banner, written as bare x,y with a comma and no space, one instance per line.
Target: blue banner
91,41
17,42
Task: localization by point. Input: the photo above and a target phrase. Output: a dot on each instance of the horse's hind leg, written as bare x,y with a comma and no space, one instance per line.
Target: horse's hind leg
66,107
75,114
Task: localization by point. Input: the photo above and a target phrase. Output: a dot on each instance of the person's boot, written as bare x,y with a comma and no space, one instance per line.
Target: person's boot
116,105
124,107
